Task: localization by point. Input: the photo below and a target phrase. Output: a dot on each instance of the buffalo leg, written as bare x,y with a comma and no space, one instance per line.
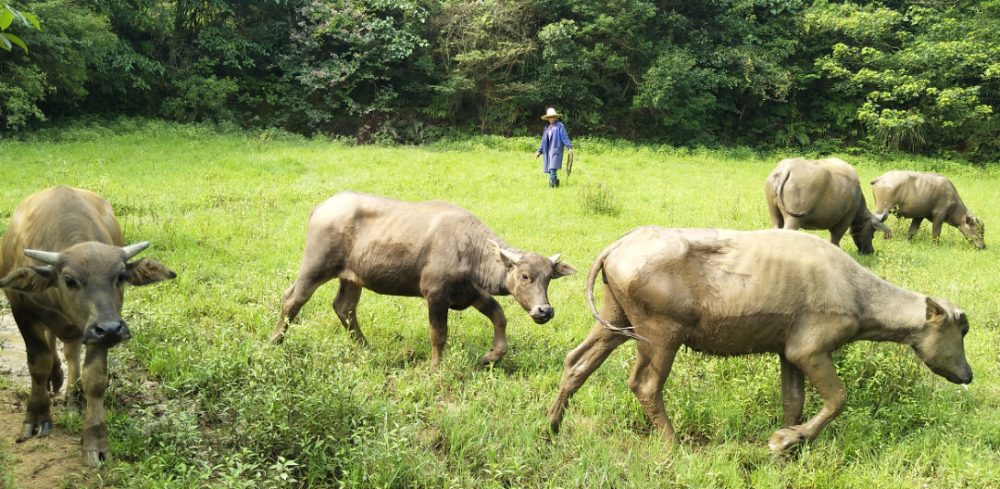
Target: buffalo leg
791,224
491,309
96,448
777,220
437,311
652,367
936,228
40,367
586,358
310,278
838,230
73,392
346,307
580,363
792,392
56,376
914,227
818,367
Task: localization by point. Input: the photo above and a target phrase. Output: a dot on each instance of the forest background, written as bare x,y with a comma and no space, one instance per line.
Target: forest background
915,76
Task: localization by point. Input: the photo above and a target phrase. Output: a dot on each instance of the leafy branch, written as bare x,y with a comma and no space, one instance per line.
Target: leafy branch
7,16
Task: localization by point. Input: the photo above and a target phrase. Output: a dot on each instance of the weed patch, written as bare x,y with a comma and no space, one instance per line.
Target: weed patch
599,199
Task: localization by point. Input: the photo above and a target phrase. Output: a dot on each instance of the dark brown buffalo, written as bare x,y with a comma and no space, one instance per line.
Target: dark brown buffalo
435,250
821,194
741,292
919,196
64,267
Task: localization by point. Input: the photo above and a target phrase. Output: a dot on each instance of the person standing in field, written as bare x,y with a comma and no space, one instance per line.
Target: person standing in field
554,139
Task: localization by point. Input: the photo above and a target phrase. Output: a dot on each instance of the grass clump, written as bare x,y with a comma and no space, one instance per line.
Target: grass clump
599,199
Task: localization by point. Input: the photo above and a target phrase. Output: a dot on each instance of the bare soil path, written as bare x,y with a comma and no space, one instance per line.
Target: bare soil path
50,462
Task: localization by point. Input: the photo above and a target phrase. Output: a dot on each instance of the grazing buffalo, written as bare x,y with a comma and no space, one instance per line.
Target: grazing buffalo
435,250
741,292
64,267
821,194
922,196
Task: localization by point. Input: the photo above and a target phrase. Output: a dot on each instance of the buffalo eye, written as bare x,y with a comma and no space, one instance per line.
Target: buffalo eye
122,277
524,276
70,283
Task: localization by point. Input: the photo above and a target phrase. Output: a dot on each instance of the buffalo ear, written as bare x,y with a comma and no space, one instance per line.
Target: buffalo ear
146,271
31,280
935,313
562,269
506,258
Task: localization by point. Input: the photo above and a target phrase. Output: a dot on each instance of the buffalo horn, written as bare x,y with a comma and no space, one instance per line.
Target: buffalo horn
885,214
555,258
46,257
132,250
513,257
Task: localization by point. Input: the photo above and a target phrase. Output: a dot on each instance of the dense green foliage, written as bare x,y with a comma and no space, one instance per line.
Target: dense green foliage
199,398
914,76
821,75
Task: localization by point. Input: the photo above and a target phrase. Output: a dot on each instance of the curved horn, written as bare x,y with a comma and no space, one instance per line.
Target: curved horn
513,257
879,226
555,258
500,252
884,215
132,250
47,257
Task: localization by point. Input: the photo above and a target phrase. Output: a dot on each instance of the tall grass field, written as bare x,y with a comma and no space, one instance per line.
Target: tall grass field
199,398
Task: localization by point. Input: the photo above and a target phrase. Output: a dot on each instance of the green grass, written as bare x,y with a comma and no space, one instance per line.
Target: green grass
199,397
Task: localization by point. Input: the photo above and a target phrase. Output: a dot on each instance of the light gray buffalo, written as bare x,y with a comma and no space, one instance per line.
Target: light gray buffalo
919,196
741,292
435,250
64,265
821,194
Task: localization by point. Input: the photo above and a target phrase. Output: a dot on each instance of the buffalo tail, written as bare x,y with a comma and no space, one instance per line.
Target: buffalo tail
591,278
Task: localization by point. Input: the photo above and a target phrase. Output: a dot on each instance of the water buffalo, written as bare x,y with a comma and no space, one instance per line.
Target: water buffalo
64,267
435,250
821,194
741,292
922,196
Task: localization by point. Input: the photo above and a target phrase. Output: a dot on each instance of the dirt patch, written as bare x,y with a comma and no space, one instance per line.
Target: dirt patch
39,462
13,362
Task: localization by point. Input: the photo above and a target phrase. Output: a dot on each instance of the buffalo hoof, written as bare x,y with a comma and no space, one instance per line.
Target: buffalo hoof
28,431
95,458
277,338
553,430
785,438
486,362
492,356
96,449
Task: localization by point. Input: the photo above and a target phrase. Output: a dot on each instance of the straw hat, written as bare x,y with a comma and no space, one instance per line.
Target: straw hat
551,112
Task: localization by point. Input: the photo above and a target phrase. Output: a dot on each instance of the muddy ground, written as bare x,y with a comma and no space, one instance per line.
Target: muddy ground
50,462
